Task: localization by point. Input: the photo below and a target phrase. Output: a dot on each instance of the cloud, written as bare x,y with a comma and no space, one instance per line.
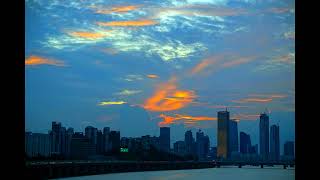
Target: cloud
279,10
110,51
133,77
119,9
168,98
88,35
255,100
222,61
128,23
152,76
289,35
37,60
127,92
167,120
106,103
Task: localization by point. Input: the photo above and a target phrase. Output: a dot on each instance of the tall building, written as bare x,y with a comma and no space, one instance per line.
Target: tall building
100,142
56,138
212,153
233,137
37,144
106,144
189,142
289,149
114,140
264,136
245,143
223,134
68,141
179,147
165,139
81,147
202,144
91,134
274,143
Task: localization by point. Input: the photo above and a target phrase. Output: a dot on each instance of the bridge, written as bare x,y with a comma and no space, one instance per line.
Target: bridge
262,164
60,169
48,170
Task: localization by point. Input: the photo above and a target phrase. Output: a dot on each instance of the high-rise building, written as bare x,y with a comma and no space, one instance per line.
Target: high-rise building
254,149
56,138
223,134
114,140
289,149
245,143
264,136
233,137
106,144
100,142
165,139
68,141
91,134
212,153
189,142
274,143
202,144
37,144
81,147
179,147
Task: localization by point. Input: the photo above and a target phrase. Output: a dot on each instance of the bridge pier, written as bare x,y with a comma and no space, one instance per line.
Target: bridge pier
240,166
284,166
261,165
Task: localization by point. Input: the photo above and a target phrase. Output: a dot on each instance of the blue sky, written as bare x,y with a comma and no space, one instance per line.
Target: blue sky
138,65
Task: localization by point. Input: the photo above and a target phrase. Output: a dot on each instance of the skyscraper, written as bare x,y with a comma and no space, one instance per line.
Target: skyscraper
233,137
81,147
202,144
289,149
37,144
68,141
114,140
223,134
264,136
274,143
189,141
106,144
179,147
56,138
165,138
100,142
245,143
91,134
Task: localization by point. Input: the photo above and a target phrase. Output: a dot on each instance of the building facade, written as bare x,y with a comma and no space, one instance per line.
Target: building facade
274,143
264,136
165,139
233,137
223,134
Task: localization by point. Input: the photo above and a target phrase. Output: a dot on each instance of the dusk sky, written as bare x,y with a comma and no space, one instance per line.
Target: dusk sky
136,65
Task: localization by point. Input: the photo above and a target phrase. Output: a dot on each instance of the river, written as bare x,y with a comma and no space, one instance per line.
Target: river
223,173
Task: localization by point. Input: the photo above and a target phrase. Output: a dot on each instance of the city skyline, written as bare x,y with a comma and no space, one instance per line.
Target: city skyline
137,66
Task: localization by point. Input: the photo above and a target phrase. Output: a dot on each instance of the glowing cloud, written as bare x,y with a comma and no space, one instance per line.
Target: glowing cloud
88,35
167,120
254,100
152,76
238,61
36,60
120,9
106,103
128,23
128,92
168,98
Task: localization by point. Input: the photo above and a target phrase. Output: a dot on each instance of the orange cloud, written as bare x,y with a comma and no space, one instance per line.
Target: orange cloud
152,76
168,98
128,23
254,100
238,61
36,60
278,10
221,61
110,51
120,9
167,120
89,35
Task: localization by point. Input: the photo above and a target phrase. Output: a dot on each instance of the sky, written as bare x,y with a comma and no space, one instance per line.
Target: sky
139,65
